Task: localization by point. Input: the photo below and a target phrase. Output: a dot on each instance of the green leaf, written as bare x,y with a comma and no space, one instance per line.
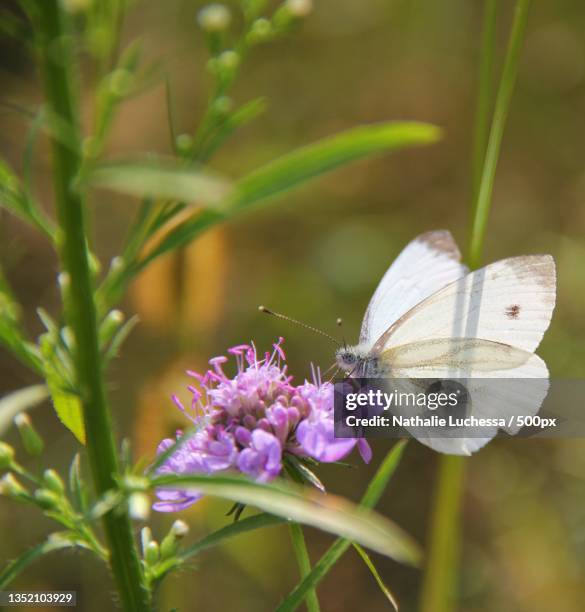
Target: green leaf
11,334
69,411
67,406
337,549
17,401
382,477
304,563
163,178
308,506
77,487
299,166
15,198
296,168
299,472
14,567
370,565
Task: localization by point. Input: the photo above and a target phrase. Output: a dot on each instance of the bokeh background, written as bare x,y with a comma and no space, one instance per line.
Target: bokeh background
317,255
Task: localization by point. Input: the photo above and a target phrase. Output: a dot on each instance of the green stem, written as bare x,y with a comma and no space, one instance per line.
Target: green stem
484,96
440,580
57,58
304,563
510,70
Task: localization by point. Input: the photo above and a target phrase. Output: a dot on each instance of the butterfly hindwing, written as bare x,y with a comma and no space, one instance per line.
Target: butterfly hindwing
502,382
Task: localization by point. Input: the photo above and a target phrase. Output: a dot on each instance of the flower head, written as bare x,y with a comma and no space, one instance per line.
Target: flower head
250,421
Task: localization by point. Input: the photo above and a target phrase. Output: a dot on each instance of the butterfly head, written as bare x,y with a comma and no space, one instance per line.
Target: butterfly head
349,358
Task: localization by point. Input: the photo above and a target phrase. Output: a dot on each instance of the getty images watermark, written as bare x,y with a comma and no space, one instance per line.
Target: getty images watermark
455,408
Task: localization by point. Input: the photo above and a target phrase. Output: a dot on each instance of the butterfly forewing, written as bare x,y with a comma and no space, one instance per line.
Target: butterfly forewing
428,263
510,301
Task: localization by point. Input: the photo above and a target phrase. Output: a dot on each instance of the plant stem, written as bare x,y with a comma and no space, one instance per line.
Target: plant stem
57,58
502,105
304,563
484,95
440,580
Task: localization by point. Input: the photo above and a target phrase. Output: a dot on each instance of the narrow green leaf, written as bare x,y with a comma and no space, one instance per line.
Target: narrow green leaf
18,401
304,563
382,477
301,473
308,506
163,179
303,164
337,549
119,339
16,566
229,531
77,486
295,169
374,571
11,333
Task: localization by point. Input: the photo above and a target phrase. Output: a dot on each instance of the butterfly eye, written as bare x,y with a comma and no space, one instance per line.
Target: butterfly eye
349,358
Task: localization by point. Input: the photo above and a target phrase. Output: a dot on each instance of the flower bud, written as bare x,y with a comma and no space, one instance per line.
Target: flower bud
53,482
64,282
152,554
228,60
260,31
180,529
139,506
223,105
95,267
110,325
31,440
170,543
6,455
184,143
116,264
214,18
290,12
121,82
10,487
136,483
145,539
47,499
299,8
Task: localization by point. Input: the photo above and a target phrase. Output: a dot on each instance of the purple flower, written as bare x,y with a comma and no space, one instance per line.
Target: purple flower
250,421
262,458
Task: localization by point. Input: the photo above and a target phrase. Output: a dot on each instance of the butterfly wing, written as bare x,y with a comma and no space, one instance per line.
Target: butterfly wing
494,375
426,264
510,302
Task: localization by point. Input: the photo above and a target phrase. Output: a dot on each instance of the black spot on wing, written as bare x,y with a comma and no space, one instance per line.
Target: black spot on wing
513,311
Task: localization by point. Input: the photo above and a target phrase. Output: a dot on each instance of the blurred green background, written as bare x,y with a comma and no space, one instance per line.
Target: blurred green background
318,255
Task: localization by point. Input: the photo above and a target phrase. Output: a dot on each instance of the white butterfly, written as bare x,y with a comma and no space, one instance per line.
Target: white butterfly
431,318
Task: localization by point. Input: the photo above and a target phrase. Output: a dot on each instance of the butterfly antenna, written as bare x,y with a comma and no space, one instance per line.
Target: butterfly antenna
291,320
